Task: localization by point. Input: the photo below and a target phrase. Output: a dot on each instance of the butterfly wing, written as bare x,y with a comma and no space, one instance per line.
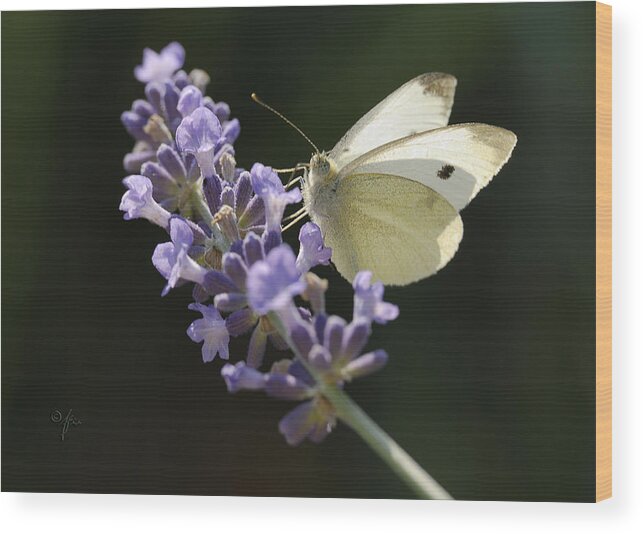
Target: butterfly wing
424,103
399,229
455,161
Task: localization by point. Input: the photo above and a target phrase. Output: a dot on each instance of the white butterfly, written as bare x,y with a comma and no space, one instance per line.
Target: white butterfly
387,197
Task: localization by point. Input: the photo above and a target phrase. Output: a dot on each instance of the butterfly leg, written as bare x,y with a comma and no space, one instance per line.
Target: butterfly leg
294,221
293,170
297,167
295,214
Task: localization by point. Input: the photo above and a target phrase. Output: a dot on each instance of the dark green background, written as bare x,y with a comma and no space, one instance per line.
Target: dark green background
490,385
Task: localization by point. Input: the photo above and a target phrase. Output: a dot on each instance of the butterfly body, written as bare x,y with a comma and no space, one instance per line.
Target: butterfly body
319,186
387,197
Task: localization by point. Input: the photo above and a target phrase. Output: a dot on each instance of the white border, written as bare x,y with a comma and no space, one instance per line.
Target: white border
63,513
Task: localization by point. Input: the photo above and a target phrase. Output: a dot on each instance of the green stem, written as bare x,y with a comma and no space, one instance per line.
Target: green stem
423,484
199,204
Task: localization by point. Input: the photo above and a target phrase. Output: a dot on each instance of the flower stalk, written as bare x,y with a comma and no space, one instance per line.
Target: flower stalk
402,464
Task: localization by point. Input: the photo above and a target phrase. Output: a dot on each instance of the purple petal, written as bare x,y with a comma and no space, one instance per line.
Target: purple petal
240,321
164,258
365,364
132,162
170,159
170,102
252,249
219,282
212,188
229,302
231,130
190,99
272,283
154,94
334,334
211,329
239,377
368,300
271,240
320,358
198,134
303,338
298,423
138,202
312,251
227,196
268,186
181,233
161,66
287,387
235,268
254,214
135,125
355,338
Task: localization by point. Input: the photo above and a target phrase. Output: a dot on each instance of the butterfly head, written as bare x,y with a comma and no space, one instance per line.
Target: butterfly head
322,168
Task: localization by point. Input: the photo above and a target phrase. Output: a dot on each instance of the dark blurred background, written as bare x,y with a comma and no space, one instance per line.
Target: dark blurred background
490,385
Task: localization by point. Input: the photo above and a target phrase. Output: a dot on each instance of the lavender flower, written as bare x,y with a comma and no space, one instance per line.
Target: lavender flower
267,184
272,265
332,353
248,209
312,251
160,66
173,261
190,100
171,175
368,300
155,120
137,202
241,377
273,282
199,134
314,420
211,329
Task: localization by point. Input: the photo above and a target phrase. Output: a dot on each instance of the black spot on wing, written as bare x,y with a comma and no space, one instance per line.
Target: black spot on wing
445,172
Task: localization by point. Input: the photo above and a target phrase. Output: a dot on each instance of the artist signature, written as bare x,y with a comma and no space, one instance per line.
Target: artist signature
65,422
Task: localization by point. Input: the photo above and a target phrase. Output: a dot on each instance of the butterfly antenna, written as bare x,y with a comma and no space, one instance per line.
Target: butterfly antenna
283,118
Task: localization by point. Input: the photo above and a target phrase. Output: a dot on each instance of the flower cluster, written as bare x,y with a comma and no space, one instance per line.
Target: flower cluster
225,230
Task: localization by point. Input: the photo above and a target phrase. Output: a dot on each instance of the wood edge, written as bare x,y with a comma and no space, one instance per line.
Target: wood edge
603,251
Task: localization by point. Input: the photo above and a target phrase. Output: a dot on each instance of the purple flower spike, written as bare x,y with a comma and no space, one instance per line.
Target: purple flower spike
274,281
239,377
312,251
190,99
268,186
137,202
211,329
160,66
368,301
199,134
172,259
